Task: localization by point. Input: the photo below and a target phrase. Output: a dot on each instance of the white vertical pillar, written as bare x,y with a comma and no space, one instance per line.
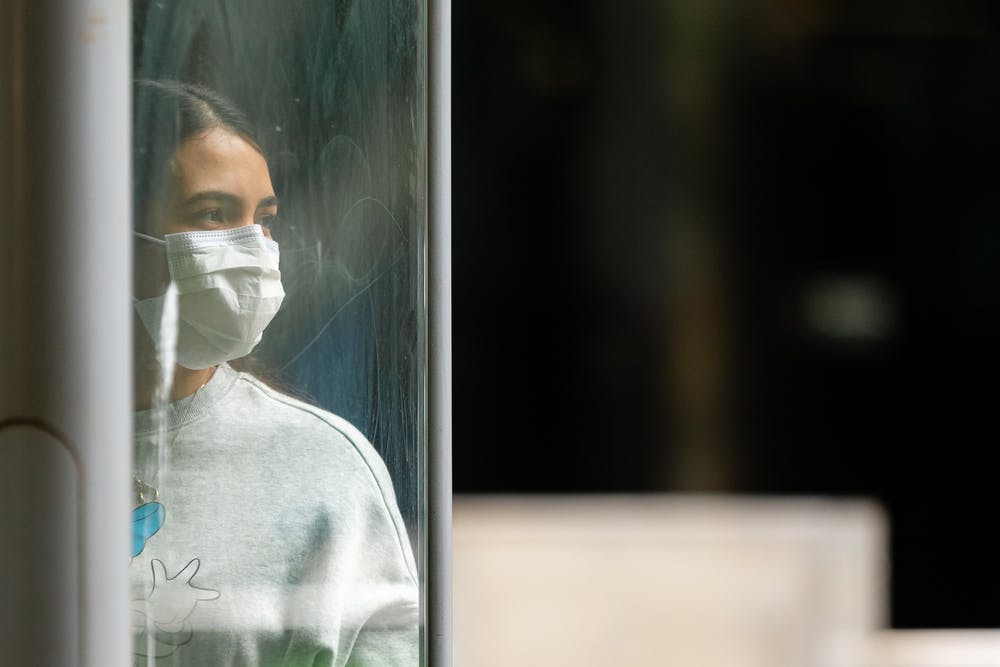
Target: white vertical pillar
65,331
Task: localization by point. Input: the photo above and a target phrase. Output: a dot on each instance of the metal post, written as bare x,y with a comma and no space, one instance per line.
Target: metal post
438,594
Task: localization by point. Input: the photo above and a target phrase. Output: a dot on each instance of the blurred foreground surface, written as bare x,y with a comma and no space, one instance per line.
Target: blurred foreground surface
706,581
655,580
936,648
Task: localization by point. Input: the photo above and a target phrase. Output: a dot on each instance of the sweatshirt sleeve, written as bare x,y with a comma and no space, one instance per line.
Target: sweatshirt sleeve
351,580
389,636
374,565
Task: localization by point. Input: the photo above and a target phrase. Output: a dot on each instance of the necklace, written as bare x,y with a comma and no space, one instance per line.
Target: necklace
146,492
142,490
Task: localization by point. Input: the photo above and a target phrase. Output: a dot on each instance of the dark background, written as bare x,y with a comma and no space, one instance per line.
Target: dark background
737,247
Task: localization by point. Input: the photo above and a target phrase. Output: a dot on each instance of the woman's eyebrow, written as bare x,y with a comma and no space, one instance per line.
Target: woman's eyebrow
267,202
210,195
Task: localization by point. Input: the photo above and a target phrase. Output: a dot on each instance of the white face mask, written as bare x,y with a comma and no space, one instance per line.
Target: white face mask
228,290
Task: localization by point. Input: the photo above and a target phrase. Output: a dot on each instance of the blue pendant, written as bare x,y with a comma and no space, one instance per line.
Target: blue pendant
146,520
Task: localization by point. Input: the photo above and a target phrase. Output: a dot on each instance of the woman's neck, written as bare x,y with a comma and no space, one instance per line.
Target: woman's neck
186,382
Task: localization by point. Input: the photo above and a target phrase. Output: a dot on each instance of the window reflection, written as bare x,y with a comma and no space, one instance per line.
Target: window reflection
278,330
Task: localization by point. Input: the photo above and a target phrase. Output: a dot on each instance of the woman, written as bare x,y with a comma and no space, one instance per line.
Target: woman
266,531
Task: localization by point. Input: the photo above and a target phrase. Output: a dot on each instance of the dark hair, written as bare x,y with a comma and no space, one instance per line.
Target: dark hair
167,113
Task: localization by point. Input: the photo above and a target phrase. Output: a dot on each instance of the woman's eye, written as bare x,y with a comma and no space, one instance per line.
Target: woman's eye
267,220
213,215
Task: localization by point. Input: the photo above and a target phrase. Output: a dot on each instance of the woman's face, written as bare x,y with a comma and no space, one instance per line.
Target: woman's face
219,181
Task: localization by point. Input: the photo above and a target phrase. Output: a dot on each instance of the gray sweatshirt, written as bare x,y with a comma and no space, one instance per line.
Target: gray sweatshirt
274,539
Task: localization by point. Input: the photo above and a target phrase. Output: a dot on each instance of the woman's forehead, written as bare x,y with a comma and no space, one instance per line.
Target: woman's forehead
220,160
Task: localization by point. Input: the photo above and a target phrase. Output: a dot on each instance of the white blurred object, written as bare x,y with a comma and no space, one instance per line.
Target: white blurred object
664,580
850,308
936,648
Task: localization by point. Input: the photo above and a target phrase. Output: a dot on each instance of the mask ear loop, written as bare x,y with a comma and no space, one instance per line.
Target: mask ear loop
146,237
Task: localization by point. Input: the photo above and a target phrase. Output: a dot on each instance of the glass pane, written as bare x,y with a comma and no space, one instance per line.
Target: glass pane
280,187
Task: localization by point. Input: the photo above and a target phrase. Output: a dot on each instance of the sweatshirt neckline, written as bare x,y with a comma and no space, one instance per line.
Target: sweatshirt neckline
187,409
